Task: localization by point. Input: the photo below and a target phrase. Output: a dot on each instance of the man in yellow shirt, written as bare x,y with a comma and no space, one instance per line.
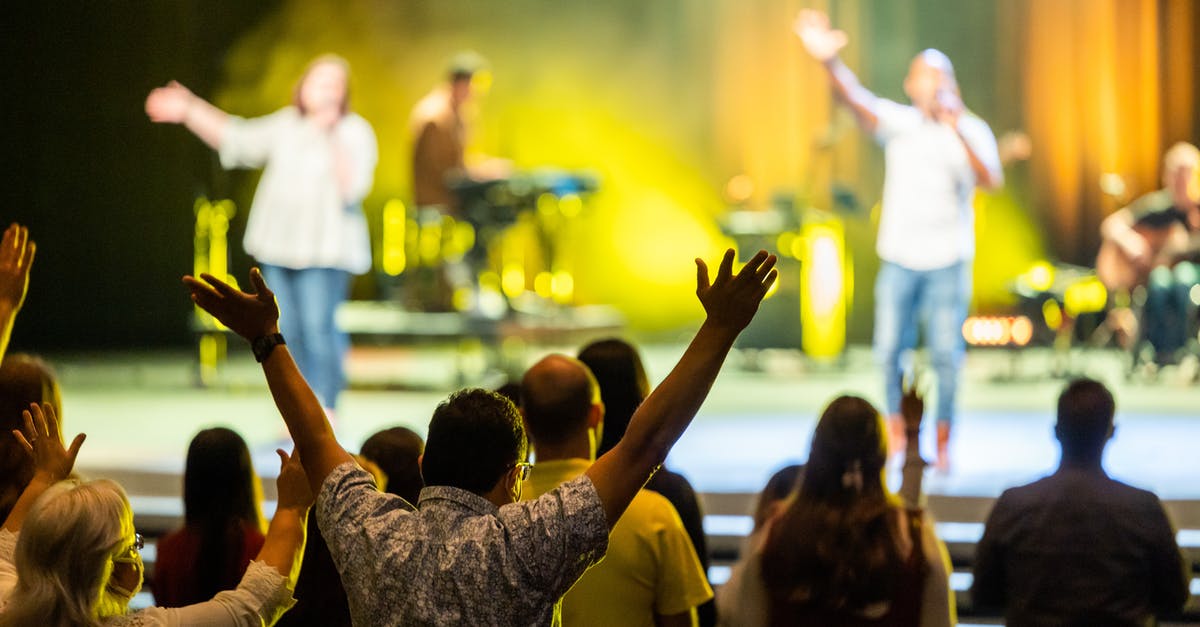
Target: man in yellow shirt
651,575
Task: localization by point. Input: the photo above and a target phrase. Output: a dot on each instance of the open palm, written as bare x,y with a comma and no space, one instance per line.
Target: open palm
819,38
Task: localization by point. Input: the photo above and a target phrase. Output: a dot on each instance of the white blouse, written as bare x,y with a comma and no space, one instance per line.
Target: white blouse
300,217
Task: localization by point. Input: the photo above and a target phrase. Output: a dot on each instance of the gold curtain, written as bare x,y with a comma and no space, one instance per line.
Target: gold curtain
1107,86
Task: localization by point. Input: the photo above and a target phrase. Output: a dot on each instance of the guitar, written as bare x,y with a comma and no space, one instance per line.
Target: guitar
1118,271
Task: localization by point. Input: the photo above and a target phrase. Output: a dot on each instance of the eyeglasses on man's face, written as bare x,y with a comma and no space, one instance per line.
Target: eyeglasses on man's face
523,469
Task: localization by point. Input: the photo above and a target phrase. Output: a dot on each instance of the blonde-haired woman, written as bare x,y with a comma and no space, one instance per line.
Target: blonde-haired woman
69,554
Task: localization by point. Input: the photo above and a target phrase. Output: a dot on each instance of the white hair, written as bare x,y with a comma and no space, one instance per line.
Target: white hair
64,556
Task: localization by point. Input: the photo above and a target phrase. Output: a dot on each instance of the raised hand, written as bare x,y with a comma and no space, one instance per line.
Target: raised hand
250,315
169,104
292,484
732,300
819,38
42,440
912,404
16,258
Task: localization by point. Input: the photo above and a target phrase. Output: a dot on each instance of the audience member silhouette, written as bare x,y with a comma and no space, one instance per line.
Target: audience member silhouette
471,554
75,554
843,550
780,486
618,369
651,574
24,379
397,451
223,523
1077,547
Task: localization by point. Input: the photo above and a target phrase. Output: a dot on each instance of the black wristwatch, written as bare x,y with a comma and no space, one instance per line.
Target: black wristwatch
264,344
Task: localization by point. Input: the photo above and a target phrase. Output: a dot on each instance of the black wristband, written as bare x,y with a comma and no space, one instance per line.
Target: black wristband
264,344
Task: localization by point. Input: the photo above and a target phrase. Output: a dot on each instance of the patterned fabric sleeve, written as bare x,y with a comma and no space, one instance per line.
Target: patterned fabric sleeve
559,535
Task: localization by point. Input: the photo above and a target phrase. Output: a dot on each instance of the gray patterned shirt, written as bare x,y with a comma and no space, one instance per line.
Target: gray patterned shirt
458,560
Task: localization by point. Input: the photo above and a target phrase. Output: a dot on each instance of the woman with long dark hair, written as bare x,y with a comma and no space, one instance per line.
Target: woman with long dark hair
223,528
843,549
621,375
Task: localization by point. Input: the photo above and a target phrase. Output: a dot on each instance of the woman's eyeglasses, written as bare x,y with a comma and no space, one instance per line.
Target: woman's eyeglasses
130,554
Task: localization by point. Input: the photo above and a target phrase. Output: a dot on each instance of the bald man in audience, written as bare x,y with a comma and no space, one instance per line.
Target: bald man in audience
651,575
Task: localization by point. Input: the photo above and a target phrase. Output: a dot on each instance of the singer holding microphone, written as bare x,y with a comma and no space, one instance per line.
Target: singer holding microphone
936,154
306,229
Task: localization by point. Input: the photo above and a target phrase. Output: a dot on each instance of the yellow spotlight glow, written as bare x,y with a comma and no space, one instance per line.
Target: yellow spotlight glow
543,284
1052,313
462,239
547,204
489,281
799,247
429,245
395,224
784,242
739,189
512,280
1040,276
823,286
1086,296
562,287
571,205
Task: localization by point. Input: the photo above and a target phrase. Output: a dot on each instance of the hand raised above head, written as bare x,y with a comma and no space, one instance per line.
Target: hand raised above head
42,440
820,39
250,314
732,300
912,403
16,258
292,484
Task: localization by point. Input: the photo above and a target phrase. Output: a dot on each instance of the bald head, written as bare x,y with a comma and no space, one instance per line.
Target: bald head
557,395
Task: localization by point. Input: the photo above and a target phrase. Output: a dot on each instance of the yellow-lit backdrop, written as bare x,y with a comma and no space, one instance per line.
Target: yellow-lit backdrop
665,101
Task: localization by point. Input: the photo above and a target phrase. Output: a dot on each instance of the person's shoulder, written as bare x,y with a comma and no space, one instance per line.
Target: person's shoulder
357,123
648,504
1130,493
670,483
1021,495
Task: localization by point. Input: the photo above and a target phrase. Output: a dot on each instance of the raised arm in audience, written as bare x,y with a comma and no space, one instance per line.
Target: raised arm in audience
255,315
730,302
16,257
42,439
912,474
283,547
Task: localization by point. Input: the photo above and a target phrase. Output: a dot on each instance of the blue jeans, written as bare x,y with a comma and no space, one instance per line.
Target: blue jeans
308,299
1169,314
936,300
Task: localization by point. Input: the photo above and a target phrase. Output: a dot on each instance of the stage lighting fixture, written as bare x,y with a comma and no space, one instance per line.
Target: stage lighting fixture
998,331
